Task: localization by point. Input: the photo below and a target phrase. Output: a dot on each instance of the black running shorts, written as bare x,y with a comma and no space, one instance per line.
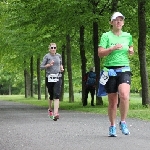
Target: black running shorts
54,88
114,81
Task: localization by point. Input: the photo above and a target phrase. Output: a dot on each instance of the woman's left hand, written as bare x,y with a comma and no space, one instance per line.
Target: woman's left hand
61,68
131,51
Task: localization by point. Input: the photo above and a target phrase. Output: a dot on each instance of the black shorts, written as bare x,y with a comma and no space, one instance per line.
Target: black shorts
114,81
54,88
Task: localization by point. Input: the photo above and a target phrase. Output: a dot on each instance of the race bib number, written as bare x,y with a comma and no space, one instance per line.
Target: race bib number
104,78
53,78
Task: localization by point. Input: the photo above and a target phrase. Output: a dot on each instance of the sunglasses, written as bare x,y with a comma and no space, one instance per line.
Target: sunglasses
53,47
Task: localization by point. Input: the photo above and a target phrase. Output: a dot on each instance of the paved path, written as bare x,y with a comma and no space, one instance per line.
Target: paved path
26,127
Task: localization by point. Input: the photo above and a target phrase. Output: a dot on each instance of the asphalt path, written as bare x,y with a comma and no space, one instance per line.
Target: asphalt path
26,127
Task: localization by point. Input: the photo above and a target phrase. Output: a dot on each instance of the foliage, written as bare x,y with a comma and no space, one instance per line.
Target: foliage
27,28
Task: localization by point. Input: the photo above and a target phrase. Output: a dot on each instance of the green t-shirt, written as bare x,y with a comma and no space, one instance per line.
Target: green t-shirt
116,57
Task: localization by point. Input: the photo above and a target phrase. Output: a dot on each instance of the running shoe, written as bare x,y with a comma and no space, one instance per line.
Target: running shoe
50,113
56,117
123,128
112,131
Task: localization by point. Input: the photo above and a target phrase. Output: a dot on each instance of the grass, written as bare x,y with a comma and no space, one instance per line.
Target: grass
136,109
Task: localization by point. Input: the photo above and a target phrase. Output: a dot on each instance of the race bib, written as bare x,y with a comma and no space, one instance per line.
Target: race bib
53,78
104,78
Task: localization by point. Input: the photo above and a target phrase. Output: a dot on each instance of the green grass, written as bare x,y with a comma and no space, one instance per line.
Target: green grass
136,109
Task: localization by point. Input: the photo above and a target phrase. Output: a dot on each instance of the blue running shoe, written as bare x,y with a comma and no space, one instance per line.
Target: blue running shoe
112,131
123,128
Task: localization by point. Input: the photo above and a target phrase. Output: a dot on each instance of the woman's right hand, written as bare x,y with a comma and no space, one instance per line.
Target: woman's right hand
50,64
117,47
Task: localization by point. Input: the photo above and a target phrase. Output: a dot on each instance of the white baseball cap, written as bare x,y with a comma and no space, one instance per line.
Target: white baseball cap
117,14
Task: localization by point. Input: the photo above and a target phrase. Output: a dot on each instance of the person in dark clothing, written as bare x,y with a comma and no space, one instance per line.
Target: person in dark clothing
90,84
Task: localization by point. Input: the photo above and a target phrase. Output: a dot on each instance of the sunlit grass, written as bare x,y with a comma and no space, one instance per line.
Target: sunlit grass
136,108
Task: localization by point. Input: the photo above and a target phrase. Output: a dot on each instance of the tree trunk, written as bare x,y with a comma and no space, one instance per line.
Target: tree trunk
25,85
31,72
99,100
9,88
142,51
39,78
63,63
27,81
114,5
83,60
68,49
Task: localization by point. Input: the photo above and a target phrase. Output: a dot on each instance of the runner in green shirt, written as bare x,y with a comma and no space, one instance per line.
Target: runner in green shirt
116,46
116,58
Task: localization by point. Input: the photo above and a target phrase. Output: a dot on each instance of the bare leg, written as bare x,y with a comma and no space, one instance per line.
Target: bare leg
50,104
124,91
56,106
112,107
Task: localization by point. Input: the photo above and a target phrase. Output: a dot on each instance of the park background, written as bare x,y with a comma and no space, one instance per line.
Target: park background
27,28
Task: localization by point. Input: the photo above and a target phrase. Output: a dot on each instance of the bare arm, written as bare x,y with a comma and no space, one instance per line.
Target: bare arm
104,52
44,64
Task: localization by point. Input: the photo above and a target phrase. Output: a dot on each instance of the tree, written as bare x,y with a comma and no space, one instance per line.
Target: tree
69,70
31,72
27,27
83,58
142,51
63,63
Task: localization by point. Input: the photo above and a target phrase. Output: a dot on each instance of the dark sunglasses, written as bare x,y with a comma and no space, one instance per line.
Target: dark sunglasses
53,47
